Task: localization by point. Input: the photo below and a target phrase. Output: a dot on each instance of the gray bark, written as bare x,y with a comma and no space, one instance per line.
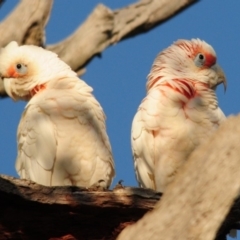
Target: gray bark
101,29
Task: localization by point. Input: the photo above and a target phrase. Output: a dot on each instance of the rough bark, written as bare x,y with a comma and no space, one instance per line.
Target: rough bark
197,202
200,203
102,28
32,211
26,23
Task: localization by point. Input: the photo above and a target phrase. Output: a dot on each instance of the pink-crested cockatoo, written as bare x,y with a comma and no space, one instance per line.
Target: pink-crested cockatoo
179,112
62,137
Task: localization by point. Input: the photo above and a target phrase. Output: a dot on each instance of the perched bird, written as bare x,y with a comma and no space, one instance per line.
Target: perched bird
62,137
179,112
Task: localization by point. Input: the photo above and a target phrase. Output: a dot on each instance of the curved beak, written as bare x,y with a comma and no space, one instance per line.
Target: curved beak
221,76
6,84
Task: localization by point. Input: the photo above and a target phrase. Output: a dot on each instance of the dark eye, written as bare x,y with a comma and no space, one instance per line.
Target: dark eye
21,68
199,60
201,57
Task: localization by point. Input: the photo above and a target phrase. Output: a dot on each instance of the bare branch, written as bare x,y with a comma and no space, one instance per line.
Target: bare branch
26,23
79,213
79,196
144,15
28,208
91,38
197,202
101,29
105,27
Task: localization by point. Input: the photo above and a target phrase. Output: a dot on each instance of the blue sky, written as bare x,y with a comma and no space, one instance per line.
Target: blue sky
119,77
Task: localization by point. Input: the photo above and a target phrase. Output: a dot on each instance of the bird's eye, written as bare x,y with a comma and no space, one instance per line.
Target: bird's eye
21,68
199,60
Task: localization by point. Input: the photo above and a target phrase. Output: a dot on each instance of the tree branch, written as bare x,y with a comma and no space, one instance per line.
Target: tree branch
144,15
26,24
91,38
32,211
194,206
102,28
197,202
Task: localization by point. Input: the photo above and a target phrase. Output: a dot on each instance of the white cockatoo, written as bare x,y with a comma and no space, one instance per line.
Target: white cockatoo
62,137
179,112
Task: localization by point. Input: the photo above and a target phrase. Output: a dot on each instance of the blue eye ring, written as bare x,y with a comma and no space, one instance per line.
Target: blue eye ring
199,60
21,68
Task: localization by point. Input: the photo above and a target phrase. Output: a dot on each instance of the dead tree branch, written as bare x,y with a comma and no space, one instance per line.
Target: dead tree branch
26,24
197,202
102,28
32,211
195,206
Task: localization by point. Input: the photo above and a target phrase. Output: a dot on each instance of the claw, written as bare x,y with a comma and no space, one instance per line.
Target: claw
119,185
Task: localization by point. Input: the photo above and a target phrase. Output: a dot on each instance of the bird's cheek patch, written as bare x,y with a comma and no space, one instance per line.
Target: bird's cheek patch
37,89
11,72
210,60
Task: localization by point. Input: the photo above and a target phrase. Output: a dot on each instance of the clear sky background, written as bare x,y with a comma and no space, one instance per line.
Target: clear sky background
119,77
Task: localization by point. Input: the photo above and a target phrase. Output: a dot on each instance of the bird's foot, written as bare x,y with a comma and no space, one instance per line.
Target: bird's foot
119,185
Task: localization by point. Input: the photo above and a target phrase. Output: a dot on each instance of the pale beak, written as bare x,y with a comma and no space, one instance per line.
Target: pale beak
6,84
221,76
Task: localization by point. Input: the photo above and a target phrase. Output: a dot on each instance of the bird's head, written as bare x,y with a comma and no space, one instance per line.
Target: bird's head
194,60
27,69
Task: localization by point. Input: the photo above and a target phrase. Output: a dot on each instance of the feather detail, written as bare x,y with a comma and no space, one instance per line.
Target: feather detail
62,138
179,112
37,89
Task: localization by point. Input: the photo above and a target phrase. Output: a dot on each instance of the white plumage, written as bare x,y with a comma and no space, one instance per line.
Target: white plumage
62,137
179,112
